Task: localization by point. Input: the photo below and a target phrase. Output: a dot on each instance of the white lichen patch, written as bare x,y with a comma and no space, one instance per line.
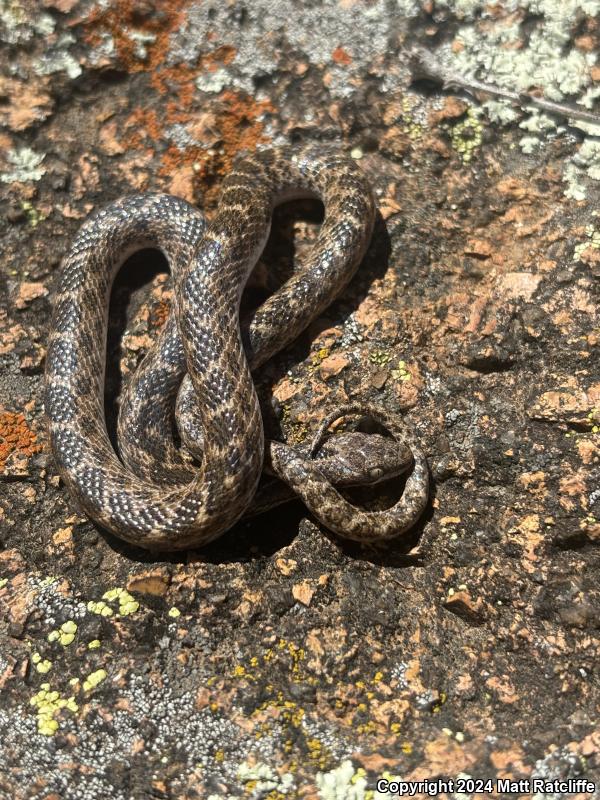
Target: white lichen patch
26,165
19,25
585,163
141,39
58,59
360,30
342,783
496,49
592,241
260,779
213,82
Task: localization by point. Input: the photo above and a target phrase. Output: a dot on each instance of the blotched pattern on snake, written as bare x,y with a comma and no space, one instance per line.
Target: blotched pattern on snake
150,494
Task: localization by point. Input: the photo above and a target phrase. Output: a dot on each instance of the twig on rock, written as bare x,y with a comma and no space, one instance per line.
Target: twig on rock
425,65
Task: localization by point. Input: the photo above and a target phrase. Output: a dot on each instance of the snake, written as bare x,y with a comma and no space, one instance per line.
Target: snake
161,489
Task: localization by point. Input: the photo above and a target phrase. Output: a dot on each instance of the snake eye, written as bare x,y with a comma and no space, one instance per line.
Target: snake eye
376,473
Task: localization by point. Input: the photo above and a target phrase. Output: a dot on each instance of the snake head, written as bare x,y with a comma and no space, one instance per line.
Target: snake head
363,458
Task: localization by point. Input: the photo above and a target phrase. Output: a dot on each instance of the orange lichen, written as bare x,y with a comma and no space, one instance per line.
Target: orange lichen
341,57
237,124
178,83
181,78
124,16
159,314
146,125
16,436
239,127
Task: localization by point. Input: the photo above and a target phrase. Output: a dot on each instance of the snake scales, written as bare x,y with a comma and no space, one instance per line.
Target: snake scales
152,494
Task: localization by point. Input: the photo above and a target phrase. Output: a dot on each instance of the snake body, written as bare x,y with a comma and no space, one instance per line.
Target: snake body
151,495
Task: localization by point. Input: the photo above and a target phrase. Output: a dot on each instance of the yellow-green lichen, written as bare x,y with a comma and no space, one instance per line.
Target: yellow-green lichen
295,432
65,635
296,655
410,126
377,795
48,704
94,644
127,604
437,706
402,373
239,672
94,679
318,357
379,357
3,582
69,627
42,665
318,752
128,607
466,136
33,215
260,780
174,612
100,608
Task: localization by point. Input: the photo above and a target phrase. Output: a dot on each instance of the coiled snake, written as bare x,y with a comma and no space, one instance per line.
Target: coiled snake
151,495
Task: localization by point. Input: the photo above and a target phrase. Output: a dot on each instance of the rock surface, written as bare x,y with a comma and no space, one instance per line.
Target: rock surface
280,662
